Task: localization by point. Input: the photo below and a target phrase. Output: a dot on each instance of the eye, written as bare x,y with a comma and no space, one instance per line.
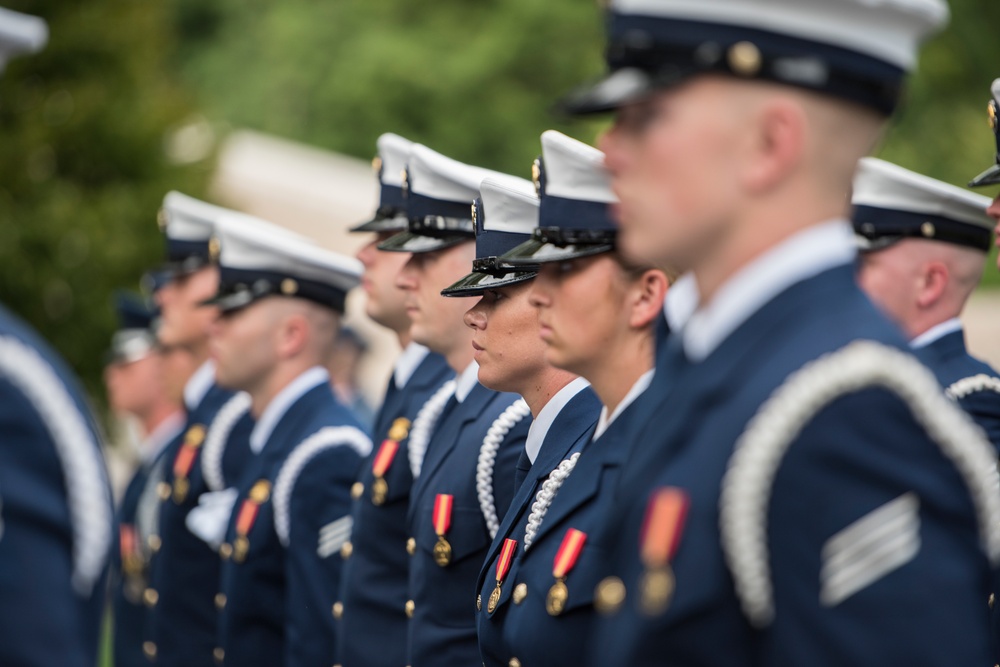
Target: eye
494,295
567,266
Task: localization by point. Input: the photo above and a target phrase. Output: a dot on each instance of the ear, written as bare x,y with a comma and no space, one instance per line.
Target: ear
932,284
647,294
777,144
292,336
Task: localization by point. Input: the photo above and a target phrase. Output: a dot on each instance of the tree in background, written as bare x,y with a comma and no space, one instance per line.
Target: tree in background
83,167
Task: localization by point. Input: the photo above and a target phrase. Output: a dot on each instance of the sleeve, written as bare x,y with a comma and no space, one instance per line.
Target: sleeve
319,525
893,571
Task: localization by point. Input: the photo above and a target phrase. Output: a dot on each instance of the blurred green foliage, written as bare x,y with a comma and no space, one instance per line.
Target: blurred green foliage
83,168
83,124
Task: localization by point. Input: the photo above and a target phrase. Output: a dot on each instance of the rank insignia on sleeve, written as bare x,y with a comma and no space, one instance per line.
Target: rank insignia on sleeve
661,535
566,557
442,522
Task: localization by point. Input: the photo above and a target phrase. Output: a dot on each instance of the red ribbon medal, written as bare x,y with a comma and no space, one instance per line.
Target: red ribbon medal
504,560
566,557
184,461
259,494
383,459
661,535
442,522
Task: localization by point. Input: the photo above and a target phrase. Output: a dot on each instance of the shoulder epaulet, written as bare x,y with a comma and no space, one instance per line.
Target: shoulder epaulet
501,426
746,487
970,385
218,437
326,438
423,425
79,455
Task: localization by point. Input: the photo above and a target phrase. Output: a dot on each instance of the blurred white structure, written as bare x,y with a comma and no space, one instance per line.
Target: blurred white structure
319,194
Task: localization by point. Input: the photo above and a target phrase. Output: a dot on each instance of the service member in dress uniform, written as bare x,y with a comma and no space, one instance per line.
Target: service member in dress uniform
56,513
511,355
281,299
448,521
923,248
137,379
802,487
374,589
598,319
992,175
184,569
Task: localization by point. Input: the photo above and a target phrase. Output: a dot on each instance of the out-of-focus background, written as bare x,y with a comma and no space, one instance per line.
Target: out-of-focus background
273,107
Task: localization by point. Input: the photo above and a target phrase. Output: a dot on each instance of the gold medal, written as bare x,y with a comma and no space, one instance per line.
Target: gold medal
555,603
240,548
181,487
656,588
494,600
442,552
380,489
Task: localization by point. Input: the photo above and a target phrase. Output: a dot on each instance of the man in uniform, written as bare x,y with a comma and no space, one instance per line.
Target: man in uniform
448,519
137,381
923,248
56,512
374,590
184,569
281,300
992,175
802,487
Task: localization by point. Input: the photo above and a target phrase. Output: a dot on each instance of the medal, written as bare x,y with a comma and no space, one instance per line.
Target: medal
504,560
661,535
131,558
184,461
443,504
566,557
259,494
383,459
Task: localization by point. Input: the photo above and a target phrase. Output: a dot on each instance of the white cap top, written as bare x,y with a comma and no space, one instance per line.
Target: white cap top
995,89
438,177
20,33
394,151
185,218
574,170
890,30
881,184
509,206
251,244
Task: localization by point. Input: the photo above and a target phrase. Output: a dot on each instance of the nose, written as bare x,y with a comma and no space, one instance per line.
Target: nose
475,318
367,253
406,279
539,296
610,142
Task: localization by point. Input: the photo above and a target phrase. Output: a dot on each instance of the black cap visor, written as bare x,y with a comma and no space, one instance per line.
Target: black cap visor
989,177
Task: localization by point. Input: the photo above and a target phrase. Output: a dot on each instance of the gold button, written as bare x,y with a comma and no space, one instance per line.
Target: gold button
609,595
928,230
357,490
513,662
346,550
520,592
226,550
744,58
411,546
410,606
220,601
154,543
479,603
149,649
993,598
338,610
163,490
219,654
150,597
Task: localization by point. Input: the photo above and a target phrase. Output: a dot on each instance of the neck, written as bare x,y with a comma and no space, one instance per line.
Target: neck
460,358
927,321
538,391
615,373
198,351
755,233
268,388
156,415
404,338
